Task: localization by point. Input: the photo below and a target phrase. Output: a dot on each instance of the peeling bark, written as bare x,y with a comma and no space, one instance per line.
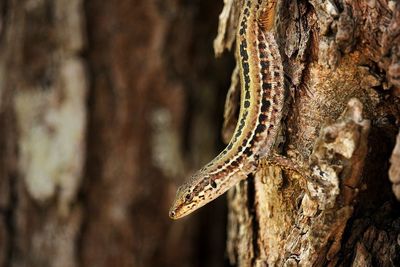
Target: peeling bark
341,58
106,106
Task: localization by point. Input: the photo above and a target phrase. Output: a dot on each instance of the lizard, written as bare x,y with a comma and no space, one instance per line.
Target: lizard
262,100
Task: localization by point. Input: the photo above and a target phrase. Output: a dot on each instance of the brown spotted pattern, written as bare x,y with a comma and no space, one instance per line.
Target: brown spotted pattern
262,97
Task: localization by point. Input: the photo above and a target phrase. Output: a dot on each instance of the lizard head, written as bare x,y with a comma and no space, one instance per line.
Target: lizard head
192,195
183,203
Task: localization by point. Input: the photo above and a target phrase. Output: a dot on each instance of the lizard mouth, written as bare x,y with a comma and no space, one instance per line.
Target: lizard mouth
177,212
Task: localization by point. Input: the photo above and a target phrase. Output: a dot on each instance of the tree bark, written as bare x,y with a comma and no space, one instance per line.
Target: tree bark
342,119
107,106
95,103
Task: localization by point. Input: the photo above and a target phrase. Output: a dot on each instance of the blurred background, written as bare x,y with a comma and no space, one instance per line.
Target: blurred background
105,108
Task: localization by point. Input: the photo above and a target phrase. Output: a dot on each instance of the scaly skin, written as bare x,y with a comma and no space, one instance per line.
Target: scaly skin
262,100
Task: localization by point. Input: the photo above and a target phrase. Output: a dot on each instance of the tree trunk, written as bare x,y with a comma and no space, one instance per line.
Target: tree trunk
104,107
342,119
107,106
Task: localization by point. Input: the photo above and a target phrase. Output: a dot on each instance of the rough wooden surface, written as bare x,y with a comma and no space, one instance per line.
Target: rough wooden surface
95,103
341,59
105,107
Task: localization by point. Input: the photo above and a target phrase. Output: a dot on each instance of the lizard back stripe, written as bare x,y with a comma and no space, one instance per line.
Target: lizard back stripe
261,76
261,104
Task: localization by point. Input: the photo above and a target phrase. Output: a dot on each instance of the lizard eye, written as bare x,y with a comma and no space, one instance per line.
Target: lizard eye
213,184
188,197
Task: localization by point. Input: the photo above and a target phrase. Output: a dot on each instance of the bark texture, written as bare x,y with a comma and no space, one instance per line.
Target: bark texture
102,106
107,106
342,58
